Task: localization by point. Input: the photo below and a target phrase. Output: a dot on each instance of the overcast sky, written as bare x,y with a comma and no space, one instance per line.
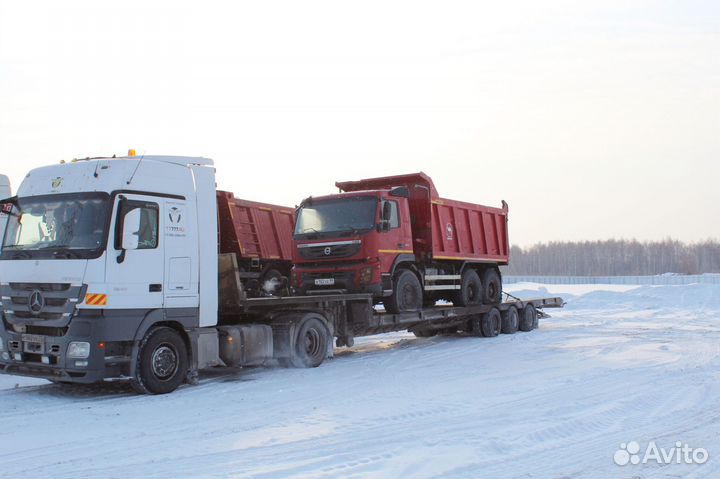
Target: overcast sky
592,119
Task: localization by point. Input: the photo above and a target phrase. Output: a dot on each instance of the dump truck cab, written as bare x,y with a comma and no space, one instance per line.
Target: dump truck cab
349,242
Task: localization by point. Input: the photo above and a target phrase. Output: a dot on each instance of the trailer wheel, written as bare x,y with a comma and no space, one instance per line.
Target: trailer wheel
529,318
510,320
311,343
492,286
490,323
471,289
407,293
162,362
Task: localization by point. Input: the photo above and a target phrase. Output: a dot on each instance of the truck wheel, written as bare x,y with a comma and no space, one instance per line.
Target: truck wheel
490,323
407,294
471,289
311,343
529,318
492,287
510,320
162,362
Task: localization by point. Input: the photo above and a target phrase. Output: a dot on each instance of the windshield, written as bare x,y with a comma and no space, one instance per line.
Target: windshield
337,215
52,224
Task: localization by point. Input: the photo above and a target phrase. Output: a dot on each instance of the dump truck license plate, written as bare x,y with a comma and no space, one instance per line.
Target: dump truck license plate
324,282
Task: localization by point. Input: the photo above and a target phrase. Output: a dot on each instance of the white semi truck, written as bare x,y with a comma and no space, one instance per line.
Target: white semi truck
110,270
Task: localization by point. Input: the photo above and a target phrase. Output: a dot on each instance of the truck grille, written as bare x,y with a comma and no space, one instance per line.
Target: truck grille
330,251
39,301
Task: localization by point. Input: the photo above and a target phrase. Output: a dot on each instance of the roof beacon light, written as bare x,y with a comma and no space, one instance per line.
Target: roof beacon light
131,152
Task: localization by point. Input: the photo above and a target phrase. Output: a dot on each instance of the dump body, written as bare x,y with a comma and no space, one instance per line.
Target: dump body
260,235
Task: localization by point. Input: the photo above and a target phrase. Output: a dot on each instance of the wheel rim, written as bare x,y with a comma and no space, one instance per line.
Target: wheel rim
492,290
472,293
312,342
165,361
409,297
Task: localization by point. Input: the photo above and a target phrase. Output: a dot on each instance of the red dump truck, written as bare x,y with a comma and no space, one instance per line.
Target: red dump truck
259,235
396,238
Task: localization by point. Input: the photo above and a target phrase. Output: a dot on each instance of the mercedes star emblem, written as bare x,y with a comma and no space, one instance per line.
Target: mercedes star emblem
36,302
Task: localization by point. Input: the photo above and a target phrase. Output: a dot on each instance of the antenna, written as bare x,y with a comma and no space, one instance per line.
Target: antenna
132,153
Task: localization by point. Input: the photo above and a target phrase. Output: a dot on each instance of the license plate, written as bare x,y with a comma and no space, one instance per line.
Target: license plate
33,343
33,338
324,281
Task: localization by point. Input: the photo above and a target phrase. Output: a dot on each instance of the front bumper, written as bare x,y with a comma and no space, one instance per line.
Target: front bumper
42,352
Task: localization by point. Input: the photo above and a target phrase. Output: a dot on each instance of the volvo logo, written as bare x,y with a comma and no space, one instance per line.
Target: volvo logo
327,251
36,302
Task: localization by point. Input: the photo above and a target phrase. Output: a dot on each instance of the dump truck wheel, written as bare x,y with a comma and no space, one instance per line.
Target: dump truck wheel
491,322
471,289
529,318
492,287
311,343
407,294
510,320
162,362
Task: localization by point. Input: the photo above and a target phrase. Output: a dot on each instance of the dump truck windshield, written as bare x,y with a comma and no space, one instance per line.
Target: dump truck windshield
351,214
53,226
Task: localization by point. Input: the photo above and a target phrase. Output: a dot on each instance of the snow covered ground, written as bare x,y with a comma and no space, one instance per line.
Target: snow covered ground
618,364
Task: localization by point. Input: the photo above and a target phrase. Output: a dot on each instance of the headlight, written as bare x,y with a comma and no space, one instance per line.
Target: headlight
77,349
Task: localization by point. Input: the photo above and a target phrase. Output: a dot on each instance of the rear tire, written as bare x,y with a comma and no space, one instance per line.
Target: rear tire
311,343
162,362
510,320
407,294
490,323
528,319
471,289
492,286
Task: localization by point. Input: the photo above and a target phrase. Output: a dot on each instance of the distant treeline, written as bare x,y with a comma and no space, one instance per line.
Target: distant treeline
615,258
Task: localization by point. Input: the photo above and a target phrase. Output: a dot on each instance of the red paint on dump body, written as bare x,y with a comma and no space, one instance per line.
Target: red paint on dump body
255,230
446,229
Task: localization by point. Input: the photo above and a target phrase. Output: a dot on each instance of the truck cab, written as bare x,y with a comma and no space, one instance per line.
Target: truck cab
349,241
97,252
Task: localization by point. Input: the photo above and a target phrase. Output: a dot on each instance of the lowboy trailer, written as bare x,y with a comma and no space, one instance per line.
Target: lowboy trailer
113,269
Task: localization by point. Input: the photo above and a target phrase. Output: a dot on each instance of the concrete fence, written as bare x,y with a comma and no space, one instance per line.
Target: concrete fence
660,280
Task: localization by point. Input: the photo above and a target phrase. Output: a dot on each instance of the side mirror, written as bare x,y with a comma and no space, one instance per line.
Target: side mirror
131,230
386,211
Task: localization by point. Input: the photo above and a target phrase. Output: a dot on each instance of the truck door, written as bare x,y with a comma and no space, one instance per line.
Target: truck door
396,238
181,255
134,278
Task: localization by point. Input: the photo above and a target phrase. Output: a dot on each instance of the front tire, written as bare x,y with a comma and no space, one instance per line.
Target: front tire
162,362
407,294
